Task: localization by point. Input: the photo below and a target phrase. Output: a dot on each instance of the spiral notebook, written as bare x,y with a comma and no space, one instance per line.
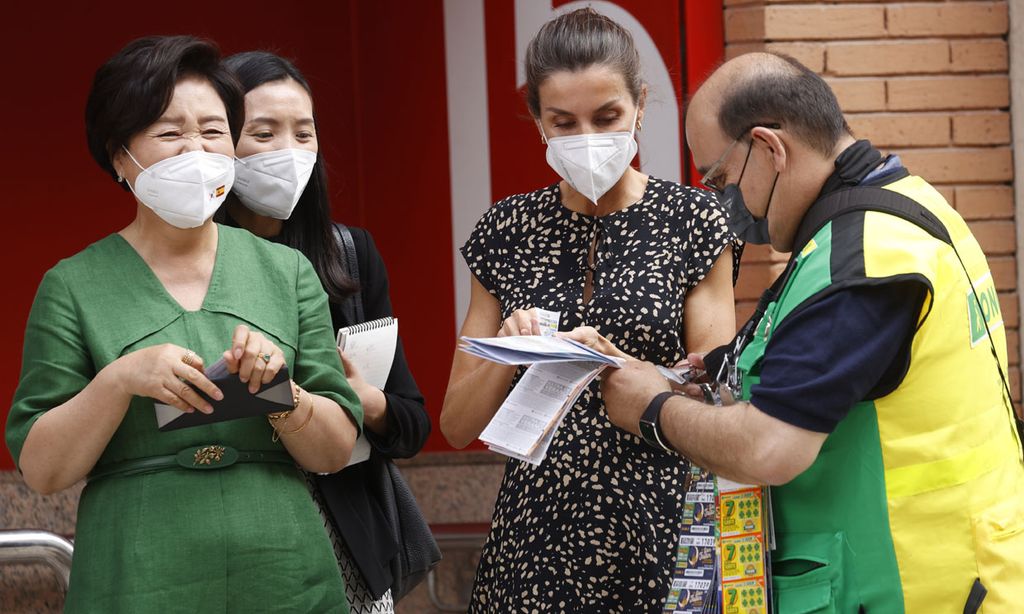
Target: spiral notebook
371,348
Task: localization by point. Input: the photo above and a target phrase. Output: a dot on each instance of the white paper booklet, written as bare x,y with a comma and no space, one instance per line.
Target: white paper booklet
526,422
560,370
371,348
532,349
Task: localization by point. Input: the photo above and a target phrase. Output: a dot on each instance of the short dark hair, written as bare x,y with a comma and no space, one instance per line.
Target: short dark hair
134,87
578,40
788,93
309,229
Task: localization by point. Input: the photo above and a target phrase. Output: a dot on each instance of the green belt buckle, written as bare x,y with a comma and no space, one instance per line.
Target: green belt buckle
207,457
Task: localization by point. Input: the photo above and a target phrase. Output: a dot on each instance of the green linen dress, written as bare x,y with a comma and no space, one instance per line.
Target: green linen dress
245,538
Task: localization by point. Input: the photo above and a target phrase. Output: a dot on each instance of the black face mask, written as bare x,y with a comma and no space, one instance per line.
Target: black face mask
739,220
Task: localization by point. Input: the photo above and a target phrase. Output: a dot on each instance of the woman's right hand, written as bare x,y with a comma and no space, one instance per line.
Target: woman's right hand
168,373
521,322
588,336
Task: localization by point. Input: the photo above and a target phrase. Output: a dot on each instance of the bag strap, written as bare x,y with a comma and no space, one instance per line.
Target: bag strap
354,304
867,198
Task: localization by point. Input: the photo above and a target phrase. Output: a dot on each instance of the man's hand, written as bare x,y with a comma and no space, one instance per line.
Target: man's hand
628,391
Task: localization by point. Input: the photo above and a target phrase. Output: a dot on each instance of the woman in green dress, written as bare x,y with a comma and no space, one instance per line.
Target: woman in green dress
212,518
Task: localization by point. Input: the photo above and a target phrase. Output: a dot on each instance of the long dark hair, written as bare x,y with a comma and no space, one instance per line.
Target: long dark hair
309,229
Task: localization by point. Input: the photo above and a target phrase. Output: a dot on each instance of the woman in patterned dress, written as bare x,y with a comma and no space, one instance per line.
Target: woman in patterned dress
641,263
281,195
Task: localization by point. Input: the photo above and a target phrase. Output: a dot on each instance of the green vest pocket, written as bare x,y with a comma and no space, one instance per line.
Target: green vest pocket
808,599
811,574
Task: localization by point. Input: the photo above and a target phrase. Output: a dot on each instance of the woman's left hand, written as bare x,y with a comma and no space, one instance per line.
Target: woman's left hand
588,336
372,398
255,358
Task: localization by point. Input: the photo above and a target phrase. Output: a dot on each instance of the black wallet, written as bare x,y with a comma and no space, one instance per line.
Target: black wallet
238,402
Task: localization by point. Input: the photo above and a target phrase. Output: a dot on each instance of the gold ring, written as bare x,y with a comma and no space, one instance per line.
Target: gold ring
264,357
188,358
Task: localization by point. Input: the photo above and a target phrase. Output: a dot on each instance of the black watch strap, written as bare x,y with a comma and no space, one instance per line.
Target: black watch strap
650,423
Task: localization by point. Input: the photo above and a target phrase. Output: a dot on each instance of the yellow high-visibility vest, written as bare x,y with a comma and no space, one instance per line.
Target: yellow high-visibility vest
918,494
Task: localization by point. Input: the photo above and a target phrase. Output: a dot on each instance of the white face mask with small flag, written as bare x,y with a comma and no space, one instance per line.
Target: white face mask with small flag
592,163
270,183
187,189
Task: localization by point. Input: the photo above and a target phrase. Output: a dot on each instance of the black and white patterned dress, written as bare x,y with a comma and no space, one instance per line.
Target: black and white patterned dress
594,527
360,598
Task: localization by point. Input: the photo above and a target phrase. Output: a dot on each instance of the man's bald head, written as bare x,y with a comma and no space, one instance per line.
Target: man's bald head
759,89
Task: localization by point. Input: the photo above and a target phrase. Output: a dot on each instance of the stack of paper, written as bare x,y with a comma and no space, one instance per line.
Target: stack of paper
527,421
528,350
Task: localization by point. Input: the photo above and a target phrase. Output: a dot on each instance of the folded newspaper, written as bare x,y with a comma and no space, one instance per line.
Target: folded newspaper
560,369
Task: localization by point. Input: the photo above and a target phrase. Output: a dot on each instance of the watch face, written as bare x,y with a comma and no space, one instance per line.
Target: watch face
650,434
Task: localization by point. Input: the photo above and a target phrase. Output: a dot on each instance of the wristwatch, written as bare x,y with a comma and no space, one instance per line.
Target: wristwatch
650,423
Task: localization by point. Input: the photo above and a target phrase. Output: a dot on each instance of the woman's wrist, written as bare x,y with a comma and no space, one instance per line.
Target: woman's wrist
294,420
277,416
375,409
114,378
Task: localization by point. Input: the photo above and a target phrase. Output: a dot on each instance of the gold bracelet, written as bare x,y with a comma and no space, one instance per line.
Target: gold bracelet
283,415
309,416
305,423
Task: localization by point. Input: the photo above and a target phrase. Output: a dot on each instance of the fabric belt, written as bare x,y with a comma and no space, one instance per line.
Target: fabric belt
200,458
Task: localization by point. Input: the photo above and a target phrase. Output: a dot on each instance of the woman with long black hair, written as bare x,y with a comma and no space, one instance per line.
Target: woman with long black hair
281,194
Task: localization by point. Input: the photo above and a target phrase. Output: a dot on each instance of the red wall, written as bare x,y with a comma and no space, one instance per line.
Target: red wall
378,74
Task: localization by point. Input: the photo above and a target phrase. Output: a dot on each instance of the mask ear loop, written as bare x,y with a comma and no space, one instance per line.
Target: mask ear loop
743,170
774,181
129,183
770,195
142,168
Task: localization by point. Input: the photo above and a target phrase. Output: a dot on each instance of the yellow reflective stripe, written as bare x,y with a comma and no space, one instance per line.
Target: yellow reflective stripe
959,469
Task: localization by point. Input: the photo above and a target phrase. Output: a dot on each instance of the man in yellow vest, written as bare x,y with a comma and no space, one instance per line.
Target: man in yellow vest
870,387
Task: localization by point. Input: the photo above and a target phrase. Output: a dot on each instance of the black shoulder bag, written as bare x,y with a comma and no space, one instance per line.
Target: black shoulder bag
418,552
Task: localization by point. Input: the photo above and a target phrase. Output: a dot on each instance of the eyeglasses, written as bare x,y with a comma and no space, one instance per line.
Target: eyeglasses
711,178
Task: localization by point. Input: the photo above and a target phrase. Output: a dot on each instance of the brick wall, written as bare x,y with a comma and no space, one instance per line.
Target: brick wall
926,80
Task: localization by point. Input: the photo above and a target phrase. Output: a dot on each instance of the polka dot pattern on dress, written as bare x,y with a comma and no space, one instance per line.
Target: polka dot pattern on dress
594,527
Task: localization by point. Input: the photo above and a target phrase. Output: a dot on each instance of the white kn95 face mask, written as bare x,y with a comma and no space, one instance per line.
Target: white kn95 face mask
592,163
271,183
187,189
